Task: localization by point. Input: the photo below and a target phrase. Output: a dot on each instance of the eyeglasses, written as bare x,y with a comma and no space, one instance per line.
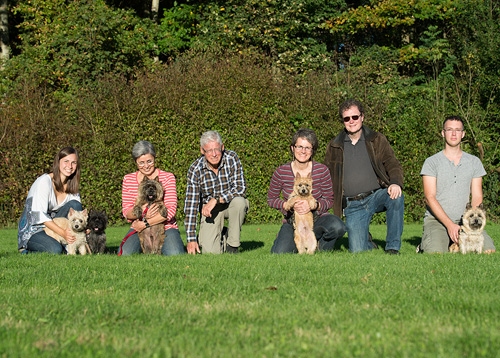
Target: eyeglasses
354,118
299,147
148,163
450,130
212,151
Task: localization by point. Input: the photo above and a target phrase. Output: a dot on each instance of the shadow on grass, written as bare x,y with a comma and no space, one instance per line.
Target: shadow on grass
414,240
251,245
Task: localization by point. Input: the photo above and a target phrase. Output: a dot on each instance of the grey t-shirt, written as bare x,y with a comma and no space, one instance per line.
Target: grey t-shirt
359,176
453,181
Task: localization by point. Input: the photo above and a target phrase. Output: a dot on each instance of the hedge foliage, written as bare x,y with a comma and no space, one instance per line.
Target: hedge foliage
254,107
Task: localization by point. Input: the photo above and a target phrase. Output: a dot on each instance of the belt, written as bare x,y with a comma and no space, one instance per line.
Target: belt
360,196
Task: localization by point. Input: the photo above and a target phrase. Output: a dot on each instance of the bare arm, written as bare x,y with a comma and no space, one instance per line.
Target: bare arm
476,189
430,189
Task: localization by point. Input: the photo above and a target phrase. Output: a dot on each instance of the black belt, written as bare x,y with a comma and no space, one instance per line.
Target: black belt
360,196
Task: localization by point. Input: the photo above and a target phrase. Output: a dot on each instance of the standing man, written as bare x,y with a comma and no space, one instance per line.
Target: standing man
368,178
216,189
450,178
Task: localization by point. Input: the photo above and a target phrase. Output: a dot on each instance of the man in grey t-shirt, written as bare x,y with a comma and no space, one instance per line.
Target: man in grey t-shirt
451,179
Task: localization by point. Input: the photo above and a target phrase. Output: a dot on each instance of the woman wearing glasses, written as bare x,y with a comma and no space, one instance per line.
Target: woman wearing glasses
144,156
327,227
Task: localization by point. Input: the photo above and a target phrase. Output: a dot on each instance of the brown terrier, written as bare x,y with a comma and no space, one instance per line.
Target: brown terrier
304,237
152,237
471,237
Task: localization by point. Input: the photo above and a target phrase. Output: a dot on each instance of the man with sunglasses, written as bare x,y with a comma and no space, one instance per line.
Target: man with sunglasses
216,189
367,179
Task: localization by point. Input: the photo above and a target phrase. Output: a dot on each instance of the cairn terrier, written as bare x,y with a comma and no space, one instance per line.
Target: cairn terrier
150,191
96,236
304,237
471,237
77,222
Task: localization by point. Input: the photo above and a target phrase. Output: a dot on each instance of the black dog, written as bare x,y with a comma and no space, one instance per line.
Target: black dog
96,237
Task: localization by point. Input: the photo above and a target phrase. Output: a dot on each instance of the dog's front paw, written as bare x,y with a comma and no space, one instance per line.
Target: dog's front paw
137,211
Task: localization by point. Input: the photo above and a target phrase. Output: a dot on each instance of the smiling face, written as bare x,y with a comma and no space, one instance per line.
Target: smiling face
302,150
146,164
213,153
353,120
67,166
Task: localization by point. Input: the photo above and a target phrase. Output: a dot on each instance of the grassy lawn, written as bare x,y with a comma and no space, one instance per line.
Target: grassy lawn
250,305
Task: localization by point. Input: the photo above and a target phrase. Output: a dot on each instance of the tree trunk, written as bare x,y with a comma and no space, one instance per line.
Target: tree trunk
4,32
155,5
154,15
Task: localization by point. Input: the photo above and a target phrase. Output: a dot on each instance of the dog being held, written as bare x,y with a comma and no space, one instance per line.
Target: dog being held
76,222
471,238
304,237
150,191
96,237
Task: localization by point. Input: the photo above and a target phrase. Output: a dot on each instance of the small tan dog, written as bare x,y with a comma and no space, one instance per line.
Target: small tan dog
304,237
471,237
77,222
150,191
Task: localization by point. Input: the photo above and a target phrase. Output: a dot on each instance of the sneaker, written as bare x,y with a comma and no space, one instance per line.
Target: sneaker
419,250
392,252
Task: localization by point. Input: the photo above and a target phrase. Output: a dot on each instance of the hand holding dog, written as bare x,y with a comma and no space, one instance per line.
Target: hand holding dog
152,211
69,236
453,231
301,207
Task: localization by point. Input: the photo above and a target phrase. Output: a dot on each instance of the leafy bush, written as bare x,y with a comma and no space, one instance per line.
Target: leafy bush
256,110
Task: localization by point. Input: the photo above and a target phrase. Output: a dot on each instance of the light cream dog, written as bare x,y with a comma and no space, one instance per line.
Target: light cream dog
77,222
304,237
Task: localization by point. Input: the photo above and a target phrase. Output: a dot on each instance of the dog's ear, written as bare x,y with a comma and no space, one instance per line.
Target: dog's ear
468,206
480,206
85,213
157,179
145,179
297,176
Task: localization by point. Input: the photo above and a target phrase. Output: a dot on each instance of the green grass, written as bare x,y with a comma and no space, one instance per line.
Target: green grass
250,305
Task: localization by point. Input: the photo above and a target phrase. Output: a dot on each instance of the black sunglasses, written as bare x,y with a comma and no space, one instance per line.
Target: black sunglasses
354,118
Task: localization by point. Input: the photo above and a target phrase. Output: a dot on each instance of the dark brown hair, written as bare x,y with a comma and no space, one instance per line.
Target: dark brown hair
72,182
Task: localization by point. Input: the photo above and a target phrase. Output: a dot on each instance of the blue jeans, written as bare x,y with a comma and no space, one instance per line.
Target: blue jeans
327,228
41,242
172,245
359,213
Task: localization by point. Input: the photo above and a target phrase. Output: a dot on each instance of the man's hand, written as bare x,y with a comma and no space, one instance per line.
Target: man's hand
394,191
206,211
453,231
193,248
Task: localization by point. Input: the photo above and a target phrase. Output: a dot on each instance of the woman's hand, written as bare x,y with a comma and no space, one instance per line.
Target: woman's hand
138,225
301,207
69,236
152,211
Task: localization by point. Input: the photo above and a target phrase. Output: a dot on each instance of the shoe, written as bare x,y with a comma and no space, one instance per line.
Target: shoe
231,250
392,252
419,250
370,240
